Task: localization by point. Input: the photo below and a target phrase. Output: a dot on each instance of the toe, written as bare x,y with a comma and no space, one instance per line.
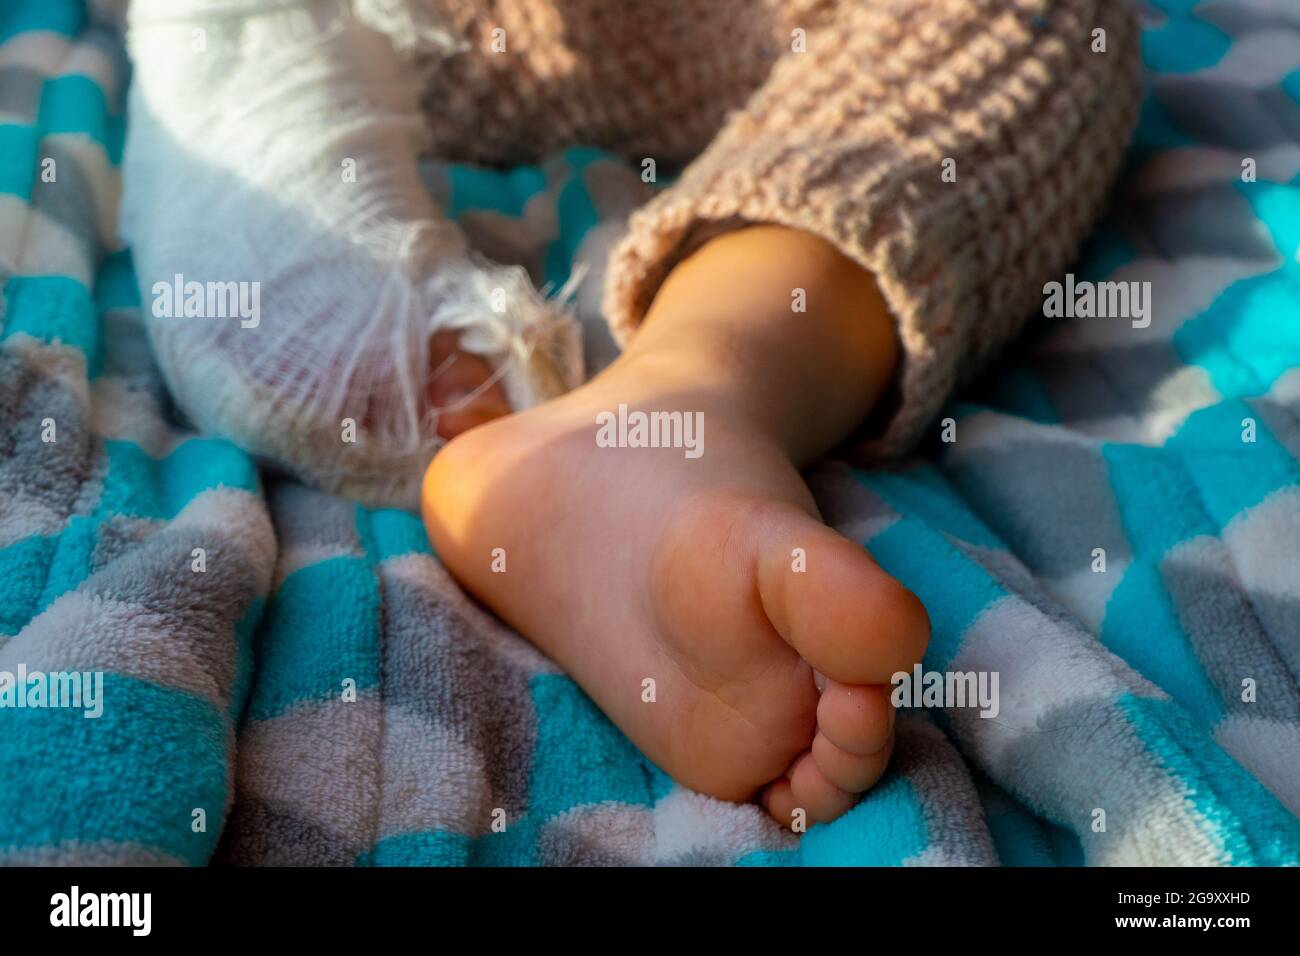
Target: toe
856,718
812,790
778,800
834,605
850,772
462,388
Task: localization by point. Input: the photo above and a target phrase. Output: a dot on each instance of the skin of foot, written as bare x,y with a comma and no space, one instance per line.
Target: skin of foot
463,388
769,638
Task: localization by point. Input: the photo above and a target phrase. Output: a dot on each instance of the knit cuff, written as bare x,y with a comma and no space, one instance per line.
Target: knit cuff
1035,141
930,299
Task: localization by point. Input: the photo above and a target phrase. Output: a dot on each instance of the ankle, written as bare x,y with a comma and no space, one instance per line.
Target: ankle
678,378
722,334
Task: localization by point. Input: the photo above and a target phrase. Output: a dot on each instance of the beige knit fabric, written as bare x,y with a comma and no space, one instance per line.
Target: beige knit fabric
831,116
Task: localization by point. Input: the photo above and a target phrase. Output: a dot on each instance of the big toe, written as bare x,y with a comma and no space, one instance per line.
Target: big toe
834,605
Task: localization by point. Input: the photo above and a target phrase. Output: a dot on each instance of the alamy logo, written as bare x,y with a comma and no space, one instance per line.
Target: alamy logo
82,690
1101,300
74,908
208,300
949,690
638,429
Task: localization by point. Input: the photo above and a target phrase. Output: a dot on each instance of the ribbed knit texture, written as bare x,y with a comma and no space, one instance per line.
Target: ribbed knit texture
846,140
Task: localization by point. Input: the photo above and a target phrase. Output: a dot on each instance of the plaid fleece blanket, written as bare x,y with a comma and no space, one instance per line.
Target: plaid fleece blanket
201,663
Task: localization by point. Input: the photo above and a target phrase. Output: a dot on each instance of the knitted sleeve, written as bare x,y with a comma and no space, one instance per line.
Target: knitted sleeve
957,149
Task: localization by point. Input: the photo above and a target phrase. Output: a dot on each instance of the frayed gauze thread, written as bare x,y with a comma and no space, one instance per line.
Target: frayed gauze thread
233,173
412,28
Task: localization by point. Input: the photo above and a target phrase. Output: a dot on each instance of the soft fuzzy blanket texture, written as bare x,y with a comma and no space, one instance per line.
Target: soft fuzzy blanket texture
1111,524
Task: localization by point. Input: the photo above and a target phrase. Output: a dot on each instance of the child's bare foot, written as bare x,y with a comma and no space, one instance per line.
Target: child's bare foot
711,576
634,564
